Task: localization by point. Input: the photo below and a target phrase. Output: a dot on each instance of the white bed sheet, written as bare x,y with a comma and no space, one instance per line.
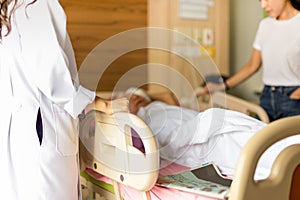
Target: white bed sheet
216,135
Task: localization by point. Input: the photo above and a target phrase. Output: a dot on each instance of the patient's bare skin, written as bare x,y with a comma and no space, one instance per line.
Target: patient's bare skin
136,102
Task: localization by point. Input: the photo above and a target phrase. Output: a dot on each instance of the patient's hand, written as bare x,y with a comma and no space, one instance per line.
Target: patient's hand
110,106
136,102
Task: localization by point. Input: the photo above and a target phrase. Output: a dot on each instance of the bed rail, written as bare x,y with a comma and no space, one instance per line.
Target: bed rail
284,176
223,100
107,148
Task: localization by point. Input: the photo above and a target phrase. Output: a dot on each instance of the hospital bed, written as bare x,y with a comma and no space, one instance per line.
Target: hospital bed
115,174
132,174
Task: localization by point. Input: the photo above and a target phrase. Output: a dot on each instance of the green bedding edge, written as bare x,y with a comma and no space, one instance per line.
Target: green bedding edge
101,184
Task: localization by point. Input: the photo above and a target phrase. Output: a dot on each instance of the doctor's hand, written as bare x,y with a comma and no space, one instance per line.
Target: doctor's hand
109,106
117,105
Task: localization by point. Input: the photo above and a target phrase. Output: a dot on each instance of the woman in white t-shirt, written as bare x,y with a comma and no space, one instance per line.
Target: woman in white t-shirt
277,49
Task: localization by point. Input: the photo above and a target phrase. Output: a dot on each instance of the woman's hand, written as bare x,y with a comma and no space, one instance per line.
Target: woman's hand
117,105
295,94
213,87
109,106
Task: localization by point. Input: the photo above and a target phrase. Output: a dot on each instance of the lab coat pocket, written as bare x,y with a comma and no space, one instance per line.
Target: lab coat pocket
66,132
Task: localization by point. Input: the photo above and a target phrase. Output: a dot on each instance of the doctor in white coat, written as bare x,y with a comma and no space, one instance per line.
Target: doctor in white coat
40,103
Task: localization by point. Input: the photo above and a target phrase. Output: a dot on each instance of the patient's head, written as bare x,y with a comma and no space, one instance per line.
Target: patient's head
137,98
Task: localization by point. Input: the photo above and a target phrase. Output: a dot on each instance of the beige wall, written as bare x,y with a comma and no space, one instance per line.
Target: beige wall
244,18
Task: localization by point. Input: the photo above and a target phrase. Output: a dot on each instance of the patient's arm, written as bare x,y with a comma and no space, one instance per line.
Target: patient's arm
136,101
166,97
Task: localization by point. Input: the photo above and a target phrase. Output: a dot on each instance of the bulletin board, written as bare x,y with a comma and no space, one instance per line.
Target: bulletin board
205,21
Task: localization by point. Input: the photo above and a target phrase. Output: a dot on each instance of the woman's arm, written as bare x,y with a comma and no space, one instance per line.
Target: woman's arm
248,70
109,106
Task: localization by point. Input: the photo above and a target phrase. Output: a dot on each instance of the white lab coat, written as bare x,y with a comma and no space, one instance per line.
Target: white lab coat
38,70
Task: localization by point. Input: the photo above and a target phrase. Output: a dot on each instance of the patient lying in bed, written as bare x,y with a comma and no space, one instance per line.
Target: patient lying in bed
192,138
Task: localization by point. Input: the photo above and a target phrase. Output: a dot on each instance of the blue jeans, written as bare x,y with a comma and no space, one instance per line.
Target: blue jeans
277,103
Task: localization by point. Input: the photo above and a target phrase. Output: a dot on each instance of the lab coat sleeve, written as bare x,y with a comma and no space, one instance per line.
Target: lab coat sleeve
49,57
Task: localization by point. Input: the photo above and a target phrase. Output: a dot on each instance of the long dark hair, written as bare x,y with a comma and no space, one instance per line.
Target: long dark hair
5,16
296,4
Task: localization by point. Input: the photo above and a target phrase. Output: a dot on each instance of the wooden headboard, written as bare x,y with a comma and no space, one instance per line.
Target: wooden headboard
90,22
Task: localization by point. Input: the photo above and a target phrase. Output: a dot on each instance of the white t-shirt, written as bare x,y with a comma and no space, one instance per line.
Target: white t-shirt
279,43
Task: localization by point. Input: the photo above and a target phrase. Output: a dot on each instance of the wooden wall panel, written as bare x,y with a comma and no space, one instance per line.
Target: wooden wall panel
92,21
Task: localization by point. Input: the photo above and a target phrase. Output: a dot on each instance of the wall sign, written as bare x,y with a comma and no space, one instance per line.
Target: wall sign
194,9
